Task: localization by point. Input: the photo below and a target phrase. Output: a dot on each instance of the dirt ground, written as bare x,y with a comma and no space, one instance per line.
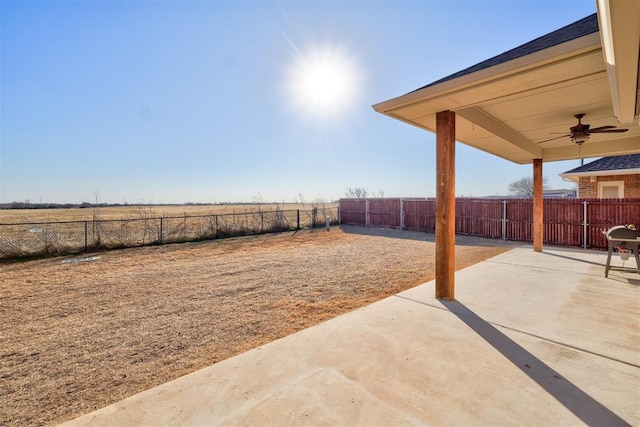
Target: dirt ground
82,332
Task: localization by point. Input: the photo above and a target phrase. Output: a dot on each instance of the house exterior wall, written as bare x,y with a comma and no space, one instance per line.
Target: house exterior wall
588,186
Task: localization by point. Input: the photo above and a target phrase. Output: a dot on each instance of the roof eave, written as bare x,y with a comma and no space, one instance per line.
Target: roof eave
619,23
575,176
541,58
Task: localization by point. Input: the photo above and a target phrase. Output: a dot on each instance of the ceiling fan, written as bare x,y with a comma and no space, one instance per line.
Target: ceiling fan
581,132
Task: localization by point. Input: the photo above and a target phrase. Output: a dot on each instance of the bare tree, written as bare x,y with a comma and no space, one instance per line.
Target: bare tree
524,186
258,199
356,193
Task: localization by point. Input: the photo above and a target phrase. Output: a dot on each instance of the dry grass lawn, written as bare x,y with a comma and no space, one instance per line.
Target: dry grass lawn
77,336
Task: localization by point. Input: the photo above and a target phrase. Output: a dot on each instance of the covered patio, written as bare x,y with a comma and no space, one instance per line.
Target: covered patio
532,339
521,104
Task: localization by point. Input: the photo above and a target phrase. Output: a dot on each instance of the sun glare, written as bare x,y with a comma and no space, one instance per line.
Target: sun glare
324,82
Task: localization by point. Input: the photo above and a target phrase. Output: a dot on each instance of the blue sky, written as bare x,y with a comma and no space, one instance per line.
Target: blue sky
215,101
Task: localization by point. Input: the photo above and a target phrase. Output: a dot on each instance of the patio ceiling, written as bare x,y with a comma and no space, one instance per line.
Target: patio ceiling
510,104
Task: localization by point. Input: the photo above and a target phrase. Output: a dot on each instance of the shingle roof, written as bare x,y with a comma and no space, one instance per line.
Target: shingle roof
578,29
631,161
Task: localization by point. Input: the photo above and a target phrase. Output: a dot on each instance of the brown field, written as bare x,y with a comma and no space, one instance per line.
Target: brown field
11,216
77,336
38,232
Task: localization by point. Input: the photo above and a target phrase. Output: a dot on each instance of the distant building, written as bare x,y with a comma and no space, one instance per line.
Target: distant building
563,193
560,194
608,178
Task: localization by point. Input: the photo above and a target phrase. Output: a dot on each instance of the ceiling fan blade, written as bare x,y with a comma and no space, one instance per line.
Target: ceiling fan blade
598,129
608,130
557,137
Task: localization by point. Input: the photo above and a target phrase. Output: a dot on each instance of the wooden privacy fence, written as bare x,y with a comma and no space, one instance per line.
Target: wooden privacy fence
567,222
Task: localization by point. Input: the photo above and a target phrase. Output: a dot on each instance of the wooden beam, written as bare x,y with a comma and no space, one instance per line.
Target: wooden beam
537,205
480,117
597,146
445,204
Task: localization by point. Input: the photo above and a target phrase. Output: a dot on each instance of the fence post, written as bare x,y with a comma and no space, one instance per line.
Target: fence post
584,224
504,220
298,219
184,226
160,230
216,221
366,212
261,222
86,232
401,214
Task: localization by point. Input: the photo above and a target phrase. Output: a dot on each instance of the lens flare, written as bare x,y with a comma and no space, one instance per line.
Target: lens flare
324,82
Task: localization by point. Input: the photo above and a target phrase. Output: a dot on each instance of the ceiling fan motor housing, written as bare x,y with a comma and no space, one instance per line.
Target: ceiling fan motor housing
581,132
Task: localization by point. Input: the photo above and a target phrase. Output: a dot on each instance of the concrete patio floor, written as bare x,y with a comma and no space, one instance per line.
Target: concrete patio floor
532,339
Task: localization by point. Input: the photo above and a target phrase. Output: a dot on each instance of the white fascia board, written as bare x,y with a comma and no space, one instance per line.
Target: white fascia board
547,56
619,22
577,175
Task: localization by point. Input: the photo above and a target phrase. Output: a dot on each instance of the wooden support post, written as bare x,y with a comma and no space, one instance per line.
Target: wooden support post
538,229
445,204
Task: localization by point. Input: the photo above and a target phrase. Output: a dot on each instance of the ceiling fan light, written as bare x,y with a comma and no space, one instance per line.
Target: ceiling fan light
580,137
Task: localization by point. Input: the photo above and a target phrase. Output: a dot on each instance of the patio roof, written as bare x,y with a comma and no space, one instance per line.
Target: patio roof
508,105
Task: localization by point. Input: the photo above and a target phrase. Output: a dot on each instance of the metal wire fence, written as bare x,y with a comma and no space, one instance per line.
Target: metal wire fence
67,237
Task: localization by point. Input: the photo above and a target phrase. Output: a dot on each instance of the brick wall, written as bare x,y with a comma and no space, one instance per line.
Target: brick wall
588,189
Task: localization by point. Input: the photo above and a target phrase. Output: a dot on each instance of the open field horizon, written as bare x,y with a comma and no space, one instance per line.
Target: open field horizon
12,216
